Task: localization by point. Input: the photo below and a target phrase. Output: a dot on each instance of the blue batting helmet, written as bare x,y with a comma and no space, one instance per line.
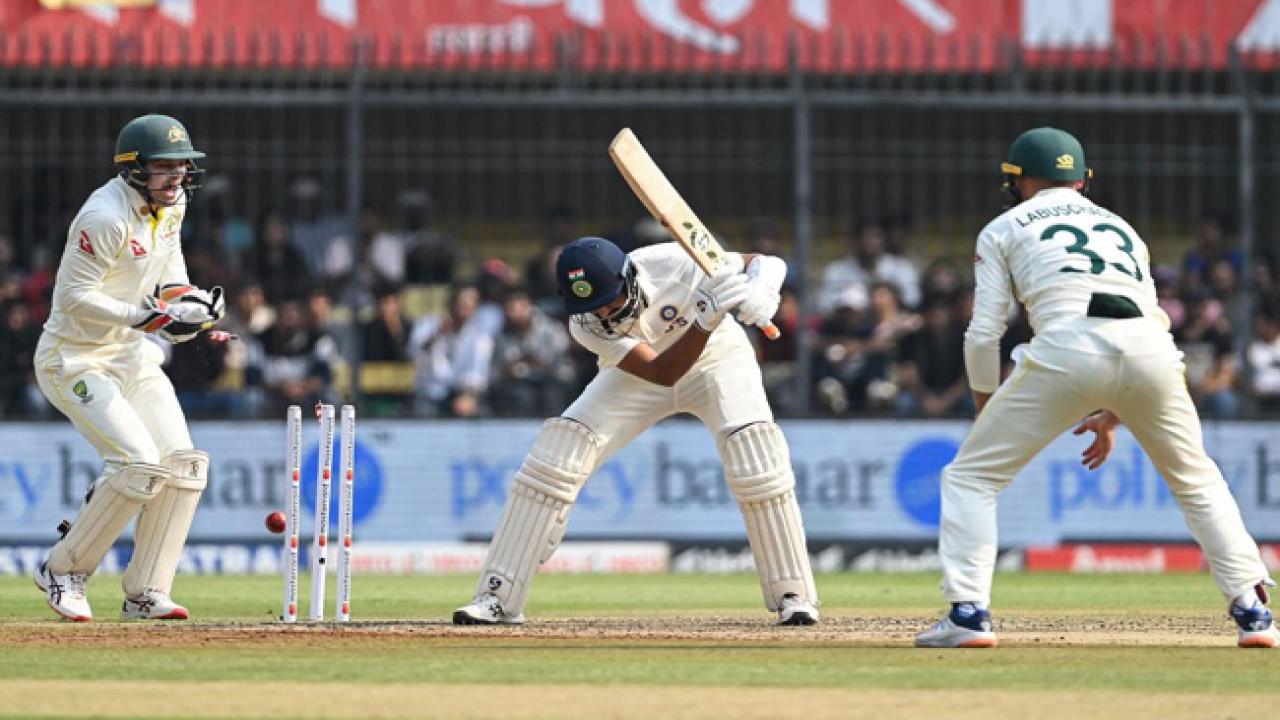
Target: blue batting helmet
590,273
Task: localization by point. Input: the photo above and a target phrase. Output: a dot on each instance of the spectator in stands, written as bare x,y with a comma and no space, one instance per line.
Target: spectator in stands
1206,341
37,286
539,271
11,277
385,337
495,281
275,263
942,281
530,375
326,242
453,353
1266,290
841,353
428,253
384,343
196,368
244,359
930,365
1168,294
778,357
218,227
298,360
19,396
867,263
1264,358
1213,242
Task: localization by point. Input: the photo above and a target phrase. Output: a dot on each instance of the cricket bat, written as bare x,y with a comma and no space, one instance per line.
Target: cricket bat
665,204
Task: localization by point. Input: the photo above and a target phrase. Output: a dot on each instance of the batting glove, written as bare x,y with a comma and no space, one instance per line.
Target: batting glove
760,305
716,296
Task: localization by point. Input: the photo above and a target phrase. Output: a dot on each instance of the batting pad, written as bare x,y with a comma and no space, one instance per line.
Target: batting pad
757,466
164,524
537,510
115,500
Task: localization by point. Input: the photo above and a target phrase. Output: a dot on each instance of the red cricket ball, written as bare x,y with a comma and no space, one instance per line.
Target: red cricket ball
276,522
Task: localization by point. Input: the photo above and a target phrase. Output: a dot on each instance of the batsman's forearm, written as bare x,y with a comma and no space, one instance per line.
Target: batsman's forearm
675,361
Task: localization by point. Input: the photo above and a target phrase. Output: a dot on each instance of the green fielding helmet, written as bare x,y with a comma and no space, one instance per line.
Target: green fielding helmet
154,137
1048,153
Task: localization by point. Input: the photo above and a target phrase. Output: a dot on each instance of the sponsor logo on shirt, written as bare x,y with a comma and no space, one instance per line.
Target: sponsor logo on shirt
136,248
86,247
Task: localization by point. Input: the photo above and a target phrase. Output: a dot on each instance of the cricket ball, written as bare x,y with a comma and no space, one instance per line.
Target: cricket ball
275,522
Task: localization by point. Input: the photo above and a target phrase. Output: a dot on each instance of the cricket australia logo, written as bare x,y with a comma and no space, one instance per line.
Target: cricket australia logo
81,391
176,134
1065,161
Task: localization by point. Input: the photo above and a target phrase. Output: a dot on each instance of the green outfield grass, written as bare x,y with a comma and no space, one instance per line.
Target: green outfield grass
651,646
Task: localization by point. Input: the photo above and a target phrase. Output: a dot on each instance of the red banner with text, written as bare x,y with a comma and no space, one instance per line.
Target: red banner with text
623,35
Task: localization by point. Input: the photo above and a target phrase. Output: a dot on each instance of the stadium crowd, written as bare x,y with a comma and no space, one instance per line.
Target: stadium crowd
386,311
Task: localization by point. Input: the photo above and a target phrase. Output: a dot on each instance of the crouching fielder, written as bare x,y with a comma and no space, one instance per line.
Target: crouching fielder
123,275
665,346
1101,341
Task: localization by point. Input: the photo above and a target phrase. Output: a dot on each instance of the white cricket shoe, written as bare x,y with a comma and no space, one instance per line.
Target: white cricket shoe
64,593
152,605
1257,626
966,626
486,609
797,611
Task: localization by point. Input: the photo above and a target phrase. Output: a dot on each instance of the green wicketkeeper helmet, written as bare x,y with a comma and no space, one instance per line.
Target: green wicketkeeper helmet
1048,153
155,137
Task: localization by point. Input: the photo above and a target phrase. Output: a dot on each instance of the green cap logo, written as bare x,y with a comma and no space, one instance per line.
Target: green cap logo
581,288
80,389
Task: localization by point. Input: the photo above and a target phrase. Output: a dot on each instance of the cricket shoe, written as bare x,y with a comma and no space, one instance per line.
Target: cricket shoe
152,605
64,593
486,609
796,610
1257,626
967,626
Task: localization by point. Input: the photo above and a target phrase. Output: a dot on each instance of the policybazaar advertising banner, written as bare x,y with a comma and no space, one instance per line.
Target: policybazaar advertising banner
630,34
433,481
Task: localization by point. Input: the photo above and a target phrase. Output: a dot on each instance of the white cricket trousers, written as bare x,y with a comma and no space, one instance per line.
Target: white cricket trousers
116,396
1130,367
723,389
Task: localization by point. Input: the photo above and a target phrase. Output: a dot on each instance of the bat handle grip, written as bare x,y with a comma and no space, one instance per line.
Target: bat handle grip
772,332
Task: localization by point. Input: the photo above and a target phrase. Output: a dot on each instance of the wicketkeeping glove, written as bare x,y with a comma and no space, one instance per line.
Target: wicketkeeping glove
213,299
176,322
716,296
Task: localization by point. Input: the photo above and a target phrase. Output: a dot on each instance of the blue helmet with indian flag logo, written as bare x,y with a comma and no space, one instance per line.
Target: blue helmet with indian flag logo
591,273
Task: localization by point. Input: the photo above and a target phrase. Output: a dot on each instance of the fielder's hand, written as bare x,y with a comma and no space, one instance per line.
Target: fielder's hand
716,296
1103,426
760,305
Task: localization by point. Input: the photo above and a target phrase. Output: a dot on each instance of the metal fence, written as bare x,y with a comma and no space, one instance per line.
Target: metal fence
1171,138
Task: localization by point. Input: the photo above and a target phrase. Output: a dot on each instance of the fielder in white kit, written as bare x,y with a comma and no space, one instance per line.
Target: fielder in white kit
1101,344
122,275
665,346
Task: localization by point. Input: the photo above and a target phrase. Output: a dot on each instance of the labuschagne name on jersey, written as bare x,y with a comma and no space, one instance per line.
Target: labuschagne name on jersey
1057,211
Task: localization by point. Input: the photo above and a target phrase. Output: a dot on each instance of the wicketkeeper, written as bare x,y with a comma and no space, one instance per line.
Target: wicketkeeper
665,346
123,275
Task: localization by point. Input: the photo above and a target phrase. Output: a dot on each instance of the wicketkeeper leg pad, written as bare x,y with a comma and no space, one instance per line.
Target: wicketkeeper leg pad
757,466
165,522
537,511
115,499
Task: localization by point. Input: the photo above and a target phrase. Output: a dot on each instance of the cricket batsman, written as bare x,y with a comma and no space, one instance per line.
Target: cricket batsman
1102,351
665,346
122,275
